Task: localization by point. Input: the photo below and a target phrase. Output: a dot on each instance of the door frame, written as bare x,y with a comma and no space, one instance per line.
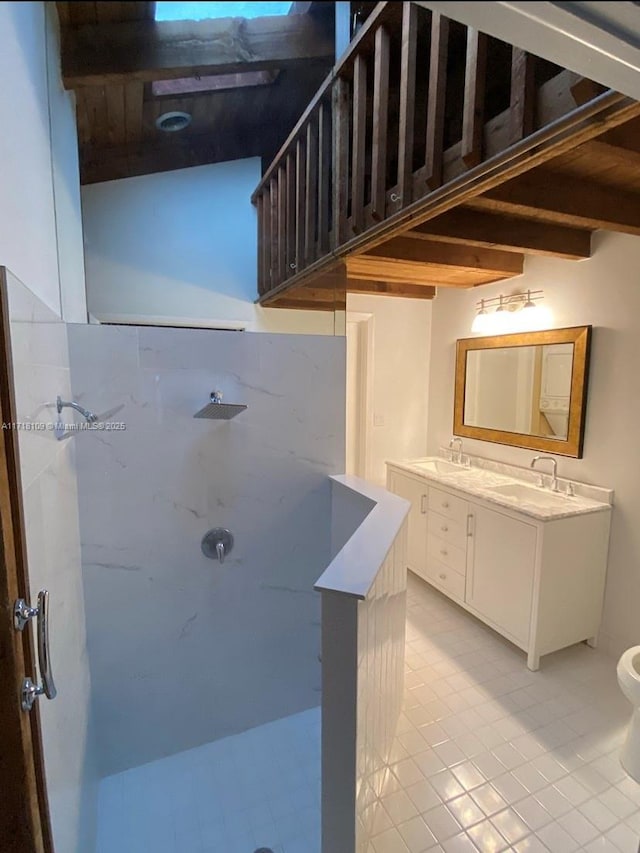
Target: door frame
25,825
365,402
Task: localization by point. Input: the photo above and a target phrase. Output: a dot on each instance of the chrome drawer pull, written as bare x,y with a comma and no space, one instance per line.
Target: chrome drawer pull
469,524
423,507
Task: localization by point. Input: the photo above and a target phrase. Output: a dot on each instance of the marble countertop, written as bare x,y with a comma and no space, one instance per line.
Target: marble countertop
484,476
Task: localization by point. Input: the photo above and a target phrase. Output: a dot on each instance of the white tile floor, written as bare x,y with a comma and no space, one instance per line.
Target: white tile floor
492,757
489,757
257,789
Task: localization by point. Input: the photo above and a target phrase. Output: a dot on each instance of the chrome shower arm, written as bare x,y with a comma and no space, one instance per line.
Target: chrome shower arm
69,404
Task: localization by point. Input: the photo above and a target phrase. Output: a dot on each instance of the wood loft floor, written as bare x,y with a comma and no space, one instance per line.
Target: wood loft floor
405,174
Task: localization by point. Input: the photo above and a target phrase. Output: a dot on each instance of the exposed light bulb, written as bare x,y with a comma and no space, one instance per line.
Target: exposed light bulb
480,323
500,319
533,316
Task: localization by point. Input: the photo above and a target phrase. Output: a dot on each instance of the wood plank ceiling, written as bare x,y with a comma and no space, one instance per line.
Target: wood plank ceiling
113,51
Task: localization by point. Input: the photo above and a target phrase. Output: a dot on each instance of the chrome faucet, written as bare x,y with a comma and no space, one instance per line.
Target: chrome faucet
456,456
554,478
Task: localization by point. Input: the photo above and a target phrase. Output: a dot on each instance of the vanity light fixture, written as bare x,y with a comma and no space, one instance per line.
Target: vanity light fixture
519,312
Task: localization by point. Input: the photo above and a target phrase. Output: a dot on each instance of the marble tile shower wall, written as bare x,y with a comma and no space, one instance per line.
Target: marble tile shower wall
48,476
184,650
380,675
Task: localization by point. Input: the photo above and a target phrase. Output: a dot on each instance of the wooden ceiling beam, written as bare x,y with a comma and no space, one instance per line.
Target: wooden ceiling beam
449,255
626,135
406,290
319,297
397,271
422,262
507,233
143,51
388,288
602,152
553,197
310,298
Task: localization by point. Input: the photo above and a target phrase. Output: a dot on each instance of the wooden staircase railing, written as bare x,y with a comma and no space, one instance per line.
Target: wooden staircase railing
416,101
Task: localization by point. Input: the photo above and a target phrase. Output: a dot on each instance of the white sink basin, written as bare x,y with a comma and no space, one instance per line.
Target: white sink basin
439,466
530,495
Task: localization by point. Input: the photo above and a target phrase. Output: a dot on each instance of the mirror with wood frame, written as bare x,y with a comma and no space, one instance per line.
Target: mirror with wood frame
527,390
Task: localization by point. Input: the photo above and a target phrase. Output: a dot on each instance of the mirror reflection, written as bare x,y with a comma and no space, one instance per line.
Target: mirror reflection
524,389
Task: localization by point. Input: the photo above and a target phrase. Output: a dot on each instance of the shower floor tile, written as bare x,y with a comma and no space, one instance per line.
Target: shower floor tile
257,789
495,757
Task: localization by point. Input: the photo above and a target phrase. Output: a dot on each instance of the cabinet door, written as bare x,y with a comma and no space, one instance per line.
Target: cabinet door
500,570
415,492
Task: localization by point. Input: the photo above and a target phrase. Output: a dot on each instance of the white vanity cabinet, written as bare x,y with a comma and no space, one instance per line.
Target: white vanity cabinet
446,535
540,583
414,490
502,559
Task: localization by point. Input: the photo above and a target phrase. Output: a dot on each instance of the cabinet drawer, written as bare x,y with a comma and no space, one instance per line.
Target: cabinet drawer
448,505
449,581
444,552
447,529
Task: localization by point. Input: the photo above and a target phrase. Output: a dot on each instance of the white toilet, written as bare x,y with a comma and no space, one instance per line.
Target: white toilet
629,681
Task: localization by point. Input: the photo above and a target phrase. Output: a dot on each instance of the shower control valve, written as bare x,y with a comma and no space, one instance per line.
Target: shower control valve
217,543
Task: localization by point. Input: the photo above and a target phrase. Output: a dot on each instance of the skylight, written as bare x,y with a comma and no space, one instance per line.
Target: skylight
199,11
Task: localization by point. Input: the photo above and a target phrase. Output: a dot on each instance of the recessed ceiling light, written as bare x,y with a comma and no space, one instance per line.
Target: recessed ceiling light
173,121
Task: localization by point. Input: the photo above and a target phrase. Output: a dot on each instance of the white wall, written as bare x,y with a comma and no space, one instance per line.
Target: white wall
50,501
602,291
181,245
397,426
66,182
28,164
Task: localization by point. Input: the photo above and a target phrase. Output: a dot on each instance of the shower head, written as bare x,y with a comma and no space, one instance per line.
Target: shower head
216,410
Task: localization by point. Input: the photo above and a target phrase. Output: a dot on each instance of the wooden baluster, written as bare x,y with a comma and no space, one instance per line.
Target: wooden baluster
312,192
291,215
475,82
261,244
282,223
301,204
523,95
274,270
437,99
266,238
358,143
340,157
407,101
380,121
324,177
